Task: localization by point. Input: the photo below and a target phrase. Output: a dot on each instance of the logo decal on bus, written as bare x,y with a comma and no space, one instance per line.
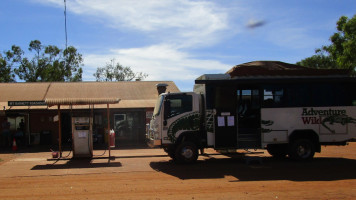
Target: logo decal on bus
188,122
326,117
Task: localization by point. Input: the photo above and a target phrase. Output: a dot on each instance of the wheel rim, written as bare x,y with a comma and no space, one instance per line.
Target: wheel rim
303,151
187,152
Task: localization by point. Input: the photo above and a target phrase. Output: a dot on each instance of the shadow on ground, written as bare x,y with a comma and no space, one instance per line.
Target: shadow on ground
319,169
66,147
78,164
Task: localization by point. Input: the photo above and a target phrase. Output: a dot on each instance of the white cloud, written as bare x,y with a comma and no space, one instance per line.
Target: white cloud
160,62
171,29
186,23
176,25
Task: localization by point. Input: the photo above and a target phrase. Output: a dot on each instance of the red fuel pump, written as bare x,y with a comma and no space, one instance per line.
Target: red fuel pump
112,138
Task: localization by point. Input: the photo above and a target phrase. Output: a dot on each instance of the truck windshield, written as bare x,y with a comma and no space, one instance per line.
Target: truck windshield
158,106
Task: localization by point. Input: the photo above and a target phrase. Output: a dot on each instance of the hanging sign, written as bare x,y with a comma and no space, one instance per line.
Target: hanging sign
221,121
230,121
26,103
225,114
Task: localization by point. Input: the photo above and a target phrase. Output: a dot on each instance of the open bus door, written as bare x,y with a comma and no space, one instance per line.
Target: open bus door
248,118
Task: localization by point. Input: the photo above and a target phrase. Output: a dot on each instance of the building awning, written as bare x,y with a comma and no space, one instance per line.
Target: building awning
81,101
132,94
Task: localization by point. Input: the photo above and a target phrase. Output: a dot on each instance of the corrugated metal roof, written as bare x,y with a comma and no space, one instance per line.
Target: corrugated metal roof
124,90
23,91
133,94
81,101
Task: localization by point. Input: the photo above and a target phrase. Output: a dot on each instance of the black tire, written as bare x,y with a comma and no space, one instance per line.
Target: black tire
186,152
277,150
302,150
171,152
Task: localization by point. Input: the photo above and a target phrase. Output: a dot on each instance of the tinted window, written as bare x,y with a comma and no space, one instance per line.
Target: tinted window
313,94
273,97
179,104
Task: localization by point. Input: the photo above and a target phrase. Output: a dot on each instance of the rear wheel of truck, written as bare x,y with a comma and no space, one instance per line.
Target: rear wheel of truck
302,150
186,152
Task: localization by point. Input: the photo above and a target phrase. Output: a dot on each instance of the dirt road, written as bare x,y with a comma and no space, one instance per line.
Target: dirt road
149,174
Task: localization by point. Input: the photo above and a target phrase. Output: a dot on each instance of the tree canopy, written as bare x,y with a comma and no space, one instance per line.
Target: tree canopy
48,63
6,72
116,72
341,53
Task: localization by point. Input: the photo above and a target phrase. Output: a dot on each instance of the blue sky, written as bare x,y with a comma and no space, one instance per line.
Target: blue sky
175,40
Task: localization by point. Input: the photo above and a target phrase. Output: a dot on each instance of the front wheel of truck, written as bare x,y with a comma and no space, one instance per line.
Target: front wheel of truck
186,152
171,154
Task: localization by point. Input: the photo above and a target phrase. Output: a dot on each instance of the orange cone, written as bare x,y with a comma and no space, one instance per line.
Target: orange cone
14,146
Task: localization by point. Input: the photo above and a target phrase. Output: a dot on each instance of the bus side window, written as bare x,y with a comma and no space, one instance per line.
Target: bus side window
273,97
268,99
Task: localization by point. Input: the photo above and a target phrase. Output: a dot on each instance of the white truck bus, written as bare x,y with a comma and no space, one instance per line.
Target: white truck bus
287,116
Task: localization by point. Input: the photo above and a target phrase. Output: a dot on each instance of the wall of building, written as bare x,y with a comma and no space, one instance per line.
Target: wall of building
129,125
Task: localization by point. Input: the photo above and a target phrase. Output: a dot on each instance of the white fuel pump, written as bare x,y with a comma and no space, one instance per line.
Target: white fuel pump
82,137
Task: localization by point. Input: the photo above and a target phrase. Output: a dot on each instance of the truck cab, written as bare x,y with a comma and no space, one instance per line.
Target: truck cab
177,119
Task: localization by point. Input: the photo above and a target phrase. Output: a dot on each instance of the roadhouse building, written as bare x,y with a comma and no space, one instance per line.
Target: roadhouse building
33,122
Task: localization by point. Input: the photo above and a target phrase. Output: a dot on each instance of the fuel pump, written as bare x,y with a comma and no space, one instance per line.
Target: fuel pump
82,134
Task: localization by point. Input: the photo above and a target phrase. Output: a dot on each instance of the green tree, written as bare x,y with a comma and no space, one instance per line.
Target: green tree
8,63
6,73
117,72
318,61
48,63
341,53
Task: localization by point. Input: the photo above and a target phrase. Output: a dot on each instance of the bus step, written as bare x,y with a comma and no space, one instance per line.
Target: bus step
248,139
249,144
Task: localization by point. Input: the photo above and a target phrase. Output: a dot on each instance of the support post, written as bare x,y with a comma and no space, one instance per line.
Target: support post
91,121
109,140
59,131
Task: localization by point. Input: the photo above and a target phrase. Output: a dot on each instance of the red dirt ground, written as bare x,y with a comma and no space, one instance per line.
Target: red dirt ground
331,175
